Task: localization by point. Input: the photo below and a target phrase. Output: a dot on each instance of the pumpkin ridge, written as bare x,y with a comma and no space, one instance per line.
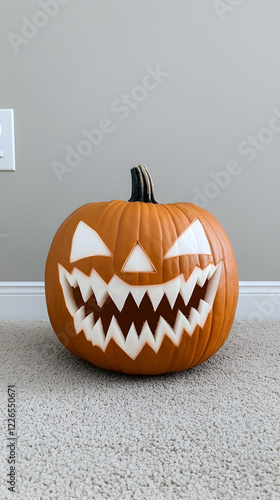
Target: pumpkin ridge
214,349
174,361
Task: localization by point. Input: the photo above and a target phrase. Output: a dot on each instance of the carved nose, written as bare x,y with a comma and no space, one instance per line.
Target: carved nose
138,262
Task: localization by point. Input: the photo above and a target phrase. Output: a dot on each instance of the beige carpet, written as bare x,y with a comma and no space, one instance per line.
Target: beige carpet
84,433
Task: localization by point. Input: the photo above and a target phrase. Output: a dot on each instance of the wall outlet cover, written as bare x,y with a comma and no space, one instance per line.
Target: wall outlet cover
7,141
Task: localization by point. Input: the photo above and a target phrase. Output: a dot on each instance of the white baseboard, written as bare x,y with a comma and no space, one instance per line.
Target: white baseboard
258,300
22,300
26,300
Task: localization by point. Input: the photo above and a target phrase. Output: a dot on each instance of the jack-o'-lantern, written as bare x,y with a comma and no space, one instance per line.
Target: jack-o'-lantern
141,287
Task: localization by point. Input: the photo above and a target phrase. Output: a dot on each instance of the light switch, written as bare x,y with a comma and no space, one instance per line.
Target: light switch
7,141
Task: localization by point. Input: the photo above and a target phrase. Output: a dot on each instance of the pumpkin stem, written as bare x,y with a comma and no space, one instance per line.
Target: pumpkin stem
142,185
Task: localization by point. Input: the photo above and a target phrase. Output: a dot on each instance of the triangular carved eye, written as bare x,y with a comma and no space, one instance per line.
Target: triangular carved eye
138,262
192,241
86,242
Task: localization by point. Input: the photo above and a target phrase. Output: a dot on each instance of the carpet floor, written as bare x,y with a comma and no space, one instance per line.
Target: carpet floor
84,433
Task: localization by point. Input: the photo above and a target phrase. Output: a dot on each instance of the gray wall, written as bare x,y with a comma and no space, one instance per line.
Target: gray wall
219,91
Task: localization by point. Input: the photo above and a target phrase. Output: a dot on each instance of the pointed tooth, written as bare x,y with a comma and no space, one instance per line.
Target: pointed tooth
203,309
213,285
86,291
119,299
87,326
116,284
138,293
212,269
97,336
114,332
146,336
155,293
99,287
171,290
64,279
132,342
163,328
187,287
71,278
202,276
194,318
118,292
84,283
101,298
78,318
182,324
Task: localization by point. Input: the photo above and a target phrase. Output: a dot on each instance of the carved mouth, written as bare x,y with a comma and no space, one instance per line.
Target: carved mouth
136,315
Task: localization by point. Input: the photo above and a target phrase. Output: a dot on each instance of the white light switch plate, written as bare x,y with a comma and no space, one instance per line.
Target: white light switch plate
7,141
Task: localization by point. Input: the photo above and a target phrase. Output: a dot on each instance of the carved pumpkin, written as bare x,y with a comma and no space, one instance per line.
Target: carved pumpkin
141,287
